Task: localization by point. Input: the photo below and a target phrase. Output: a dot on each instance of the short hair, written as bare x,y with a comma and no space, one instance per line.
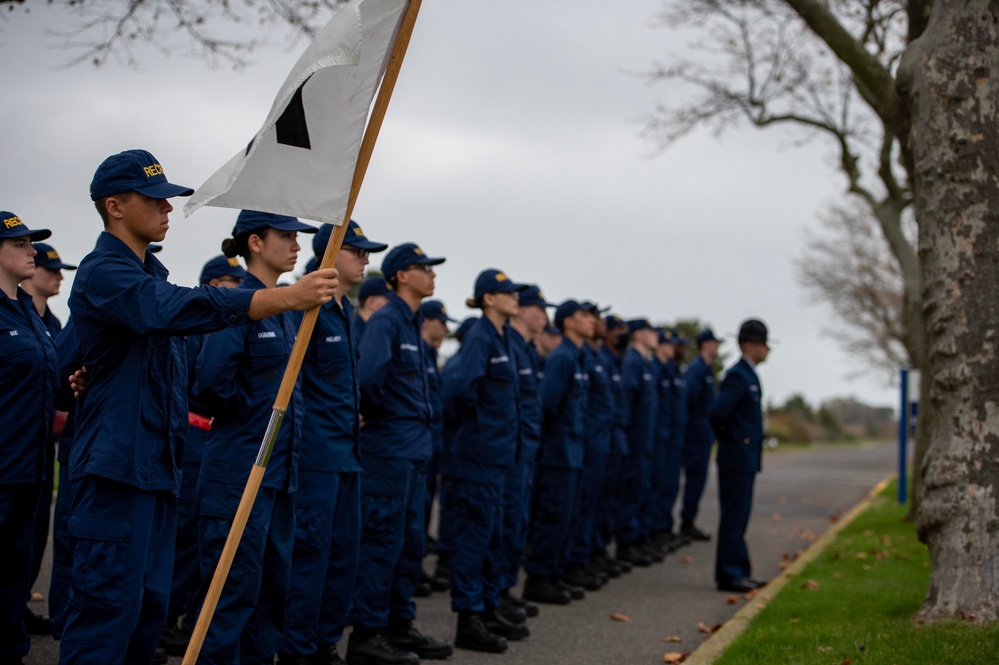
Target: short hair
102,204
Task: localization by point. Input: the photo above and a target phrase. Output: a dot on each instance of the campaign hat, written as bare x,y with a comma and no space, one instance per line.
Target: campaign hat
249,221
753,330
48,257
134,171
407,254
221,266
354,237
13,227
435,309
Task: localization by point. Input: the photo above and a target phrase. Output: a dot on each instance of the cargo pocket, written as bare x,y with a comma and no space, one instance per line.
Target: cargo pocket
100,562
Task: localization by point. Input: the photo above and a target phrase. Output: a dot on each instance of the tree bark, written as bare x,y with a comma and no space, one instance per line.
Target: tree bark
950,79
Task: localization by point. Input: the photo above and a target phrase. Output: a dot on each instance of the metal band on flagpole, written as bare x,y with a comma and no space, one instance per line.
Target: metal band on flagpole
302,341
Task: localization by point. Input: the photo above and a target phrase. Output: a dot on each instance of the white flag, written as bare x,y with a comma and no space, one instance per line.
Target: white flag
301,162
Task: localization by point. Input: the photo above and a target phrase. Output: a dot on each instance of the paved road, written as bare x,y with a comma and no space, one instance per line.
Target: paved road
796,496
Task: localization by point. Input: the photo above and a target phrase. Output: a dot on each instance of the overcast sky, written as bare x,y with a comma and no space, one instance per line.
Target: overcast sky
512,141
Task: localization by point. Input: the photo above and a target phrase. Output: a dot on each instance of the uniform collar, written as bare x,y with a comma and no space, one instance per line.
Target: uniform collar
400,305
115,245
250,281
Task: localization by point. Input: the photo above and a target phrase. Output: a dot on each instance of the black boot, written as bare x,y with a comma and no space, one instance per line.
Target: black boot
545,590
472,634
578,577
368,646
688,529
497,625
575,592
173,639
404,635
633,555
530,609
511,612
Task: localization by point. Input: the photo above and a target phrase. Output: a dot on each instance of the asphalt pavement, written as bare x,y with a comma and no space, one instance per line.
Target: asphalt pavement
798,495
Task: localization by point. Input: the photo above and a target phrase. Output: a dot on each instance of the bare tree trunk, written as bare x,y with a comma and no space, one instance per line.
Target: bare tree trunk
950,77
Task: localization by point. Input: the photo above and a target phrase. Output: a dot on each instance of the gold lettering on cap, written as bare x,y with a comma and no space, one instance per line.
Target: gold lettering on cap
500,277
358,231
11,222
153,170
418,251
234,262
52,254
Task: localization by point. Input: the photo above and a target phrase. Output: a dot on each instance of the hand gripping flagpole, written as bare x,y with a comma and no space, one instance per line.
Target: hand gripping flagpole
301,342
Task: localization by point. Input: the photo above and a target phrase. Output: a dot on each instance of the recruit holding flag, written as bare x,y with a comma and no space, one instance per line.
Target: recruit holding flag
301,162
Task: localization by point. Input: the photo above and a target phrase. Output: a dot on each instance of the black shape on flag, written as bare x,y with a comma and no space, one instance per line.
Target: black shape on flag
291,127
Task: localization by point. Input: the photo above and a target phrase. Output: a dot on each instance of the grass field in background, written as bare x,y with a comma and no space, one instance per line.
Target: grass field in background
854,605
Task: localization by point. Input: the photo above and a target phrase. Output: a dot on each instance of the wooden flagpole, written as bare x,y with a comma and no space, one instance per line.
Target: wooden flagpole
302,341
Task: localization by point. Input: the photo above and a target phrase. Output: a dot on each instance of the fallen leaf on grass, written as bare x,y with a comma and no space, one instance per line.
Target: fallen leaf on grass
671,639
837,574
784,565
687,559
767,597
732,600
869,533
861,555
847,661
620,617
825,649
705,628
674,657
794,620
760,606
810,585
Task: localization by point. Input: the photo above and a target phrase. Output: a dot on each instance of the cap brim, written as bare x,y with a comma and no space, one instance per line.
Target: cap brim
165,190
294,225
34,234
367,245
428,261
56,265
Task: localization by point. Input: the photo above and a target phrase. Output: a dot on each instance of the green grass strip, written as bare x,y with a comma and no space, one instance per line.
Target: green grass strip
854,605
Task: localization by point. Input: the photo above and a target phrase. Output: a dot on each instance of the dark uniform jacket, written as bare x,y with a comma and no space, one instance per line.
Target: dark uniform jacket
737,417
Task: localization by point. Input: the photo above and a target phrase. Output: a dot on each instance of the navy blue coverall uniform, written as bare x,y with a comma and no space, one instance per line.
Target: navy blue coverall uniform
238,375
560,459
608,509
129,422
27,383
737,417
395,446
436,386
328,500
674,447
699,436
186,563
485,394
519,481
599,438
638,375
62,555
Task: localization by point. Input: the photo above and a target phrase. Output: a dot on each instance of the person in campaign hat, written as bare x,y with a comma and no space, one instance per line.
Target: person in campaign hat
130,323
42,285
396,443
518,484
639,386
238,373
219,271
484,392
700,383
560,459
373,294
328,499
434,332
737,417
27,384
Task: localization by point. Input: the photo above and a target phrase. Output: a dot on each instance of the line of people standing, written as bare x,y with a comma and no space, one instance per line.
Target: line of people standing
551,443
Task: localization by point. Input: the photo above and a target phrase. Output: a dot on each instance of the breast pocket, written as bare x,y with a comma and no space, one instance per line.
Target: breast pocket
17,348
332,357
268,359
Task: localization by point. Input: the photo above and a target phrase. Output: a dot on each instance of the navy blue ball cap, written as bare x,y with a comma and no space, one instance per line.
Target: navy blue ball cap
753,330
354,238
153,248
707,335
47,257
676,338
495,281
133,171
613,322
435,309
311,265
464,327
407,254
249,221
634,325
594,308
13,227
565,310
373,286
221,266
532,296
